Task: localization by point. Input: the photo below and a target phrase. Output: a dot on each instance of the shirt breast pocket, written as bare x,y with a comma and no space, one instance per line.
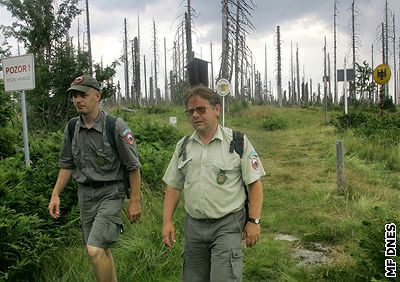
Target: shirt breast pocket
105,159
225,172
183,166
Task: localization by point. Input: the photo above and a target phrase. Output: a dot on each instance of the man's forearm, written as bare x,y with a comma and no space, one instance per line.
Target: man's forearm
171,200
134,183
64,175
256,198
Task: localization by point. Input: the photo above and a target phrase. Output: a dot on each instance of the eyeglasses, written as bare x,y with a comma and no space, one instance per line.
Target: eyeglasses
199,110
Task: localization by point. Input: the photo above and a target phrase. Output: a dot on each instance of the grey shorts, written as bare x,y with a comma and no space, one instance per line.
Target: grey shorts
100,214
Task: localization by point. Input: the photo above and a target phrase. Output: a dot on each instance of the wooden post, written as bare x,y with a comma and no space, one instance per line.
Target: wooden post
340,165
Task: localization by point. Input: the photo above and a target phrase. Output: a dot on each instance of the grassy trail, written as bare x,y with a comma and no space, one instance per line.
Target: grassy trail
300,200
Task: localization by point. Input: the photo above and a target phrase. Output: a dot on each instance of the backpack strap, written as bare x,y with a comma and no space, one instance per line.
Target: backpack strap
237,143
110,130
71,127
183,147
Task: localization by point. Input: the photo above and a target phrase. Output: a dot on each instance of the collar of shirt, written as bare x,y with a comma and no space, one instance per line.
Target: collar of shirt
217,135
98,124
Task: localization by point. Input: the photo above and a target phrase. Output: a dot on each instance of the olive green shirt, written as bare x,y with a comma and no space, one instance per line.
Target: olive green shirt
92,157
212,178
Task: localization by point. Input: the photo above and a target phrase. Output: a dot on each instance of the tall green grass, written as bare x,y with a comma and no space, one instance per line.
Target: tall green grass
300,199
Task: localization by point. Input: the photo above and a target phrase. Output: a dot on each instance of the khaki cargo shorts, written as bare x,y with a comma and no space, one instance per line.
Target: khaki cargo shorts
100,214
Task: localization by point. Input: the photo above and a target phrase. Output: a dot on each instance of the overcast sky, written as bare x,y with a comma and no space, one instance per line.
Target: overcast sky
302,22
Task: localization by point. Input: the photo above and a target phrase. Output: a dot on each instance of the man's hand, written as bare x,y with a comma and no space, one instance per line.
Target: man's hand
168,234
251,234
54,206
134,210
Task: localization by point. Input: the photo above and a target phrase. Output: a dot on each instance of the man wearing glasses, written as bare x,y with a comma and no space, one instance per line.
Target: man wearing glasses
212,179
98,167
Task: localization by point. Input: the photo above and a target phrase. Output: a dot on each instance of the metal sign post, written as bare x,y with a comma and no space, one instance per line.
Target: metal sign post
223,89
19,75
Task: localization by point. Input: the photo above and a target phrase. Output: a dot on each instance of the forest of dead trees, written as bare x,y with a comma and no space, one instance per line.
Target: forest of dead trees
142,74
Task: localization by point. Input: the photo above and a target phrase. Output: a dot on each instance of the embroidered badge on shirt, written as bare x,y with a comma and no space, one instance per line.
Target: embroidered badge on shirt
127,136
254,161
221,177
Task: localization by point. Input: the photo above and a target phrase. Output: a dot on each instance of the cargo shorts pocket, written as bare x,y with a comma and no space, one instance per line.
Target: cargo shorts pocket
237,264
113,230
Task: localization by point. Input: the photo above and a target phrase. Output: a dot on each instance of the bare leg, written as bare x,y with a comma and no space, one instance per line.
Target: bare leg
103,264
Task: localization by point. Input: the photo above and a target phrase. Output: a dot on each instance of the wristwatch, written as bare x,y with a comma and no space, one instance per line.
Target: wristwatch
254,220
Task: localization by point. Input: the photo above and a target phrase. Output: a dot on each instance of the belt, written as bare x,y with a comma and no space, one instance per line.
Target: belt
100,184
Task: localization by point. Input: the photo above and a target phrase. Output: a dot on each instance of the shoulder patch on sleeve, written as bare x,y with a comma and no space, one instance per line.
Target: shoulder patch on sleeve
254,161
127,136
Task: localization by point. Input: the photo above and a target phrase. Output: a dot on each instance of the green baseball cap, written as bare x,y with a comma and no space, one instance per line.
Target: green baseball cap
83,83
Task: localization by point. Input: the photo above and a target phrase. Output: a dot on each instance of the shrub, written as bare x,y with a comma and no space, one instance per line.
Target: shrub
28,234
274,123
23,244
371,259
7,107
236,107
156,143
9,138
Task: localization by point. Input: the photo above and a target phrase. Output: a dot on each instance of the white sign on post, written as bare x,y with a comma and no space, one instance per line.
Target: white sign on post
223,89
19,73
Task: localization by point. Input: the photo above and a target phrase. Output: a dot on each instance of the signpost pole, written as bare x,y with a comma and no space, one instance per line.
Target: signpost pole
25,129
223,111
382,74
345,87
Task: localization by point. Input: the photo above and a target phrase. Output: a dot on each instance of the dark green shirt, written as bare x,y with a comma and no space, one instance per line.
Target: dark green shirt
91,156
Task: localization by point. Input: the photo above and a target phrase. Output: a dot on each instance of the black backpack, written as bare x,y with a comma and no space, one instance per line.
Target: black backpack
236,145
110,131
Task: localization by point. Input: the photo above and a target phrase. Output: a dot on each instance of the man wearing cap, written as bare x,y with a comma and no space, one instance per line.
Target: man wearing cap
91,160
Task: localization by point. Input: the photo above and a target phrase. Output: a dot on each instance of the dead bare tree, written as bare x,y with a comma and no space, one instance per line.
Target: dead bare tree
236,23
279,66
394,60
165,72
298,73
335,83
155,61
355,43
126,62
188,32
88,38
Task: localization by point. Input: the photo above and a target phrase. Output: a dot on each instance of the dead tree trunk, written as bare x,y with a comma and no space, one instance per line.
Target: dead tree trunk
224,69
165,72
298,73
279,66
88,38
335,83
126,67
155,57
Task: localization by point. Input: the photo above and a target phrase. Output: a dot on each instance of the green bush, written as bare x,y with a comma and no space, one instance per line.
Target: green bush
9,138
28,234
371,258
383,129
156,143
23,244
7,107
236,107
274,123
